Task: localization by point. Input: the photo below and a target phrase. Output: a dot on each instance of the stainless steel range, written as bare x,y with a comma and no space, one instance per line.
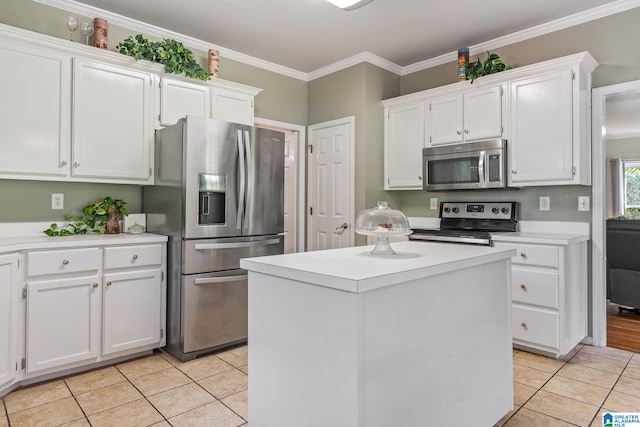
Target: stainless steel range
471,222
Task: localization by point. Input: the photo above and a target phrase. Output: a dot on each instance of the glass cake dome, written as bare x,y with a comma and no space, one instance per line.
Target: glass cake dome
382,222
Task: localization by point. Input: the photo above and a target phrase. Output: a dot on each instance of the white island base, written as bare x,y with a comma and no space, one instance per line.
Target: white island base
344,338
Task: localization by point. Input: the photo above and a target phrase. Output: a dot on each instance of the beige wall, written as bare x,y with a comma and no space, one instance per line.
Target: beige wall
352,92
627,148
610,40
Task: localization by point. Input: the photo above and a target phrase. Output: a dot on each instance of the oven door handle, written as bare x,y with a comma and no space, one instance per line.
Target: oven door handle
481,176
231,245
212,280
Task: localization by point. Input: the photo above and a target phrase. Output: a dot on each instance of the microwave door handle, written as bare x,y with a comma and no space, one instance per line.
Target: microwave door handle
241,191
481,176
249,185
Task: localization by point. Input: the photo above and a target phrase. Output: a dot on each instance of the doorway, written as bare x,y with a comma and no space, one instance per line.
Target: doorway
294,182
331,184
601,97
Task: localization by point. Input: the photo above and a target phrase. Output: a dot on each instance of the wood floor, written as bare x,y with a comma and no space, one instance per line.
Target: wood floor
623,329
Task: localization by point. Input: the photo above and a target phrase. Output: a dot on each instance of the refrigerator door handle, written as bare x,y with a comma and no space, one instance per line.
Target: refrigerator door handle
247,147
212,280
231,245
242,191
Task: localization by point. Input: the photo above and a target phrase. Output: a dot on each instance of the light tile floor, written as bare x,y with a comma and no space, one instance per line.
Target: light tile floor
158,390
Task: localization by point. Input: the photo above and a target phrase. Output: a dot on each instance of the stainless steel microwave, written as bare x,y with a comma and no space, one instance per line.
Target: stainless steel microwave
472,165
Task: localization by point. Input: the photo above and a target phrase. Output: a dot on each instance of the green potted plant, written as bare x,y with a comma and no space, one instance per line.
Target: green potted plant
100,216
172,54
493,64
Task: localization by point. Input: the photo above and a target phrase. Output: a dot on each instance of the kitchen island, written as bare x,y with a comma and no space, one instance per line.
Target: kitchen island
344,338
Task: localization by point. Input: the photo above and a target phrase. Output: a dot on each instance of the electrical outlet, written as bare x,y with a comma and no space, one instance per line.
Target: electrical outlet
57,201
545,203
434,203
583,203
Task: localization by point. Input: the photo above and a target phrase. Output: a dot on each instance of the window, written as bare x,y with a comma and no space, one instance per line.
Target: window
632,188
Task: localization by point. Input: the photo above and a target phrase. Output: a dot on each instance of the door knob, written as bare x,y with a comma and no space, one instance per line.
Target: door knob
340,229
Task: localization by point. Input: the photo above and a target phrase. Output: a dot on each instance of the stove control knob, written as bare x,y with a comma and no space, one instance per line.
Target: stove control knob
505,210
446,209
454,210
495,210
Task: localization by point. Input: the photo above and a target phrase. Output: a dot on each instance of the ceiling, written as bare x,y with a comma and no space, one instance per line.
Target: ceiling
306,35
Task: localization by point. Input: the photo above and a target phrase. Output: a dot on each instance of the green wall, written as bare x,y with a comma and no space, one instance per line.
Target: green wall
282,98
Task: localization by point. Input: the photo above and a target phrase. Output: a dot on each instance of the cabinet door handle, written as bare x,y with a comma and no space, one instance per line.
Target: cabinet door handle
513,171
524,325
419,178
109,283
523,287
459,132
523,255
466,131
65,261
76,164
95,285
63,163
135,257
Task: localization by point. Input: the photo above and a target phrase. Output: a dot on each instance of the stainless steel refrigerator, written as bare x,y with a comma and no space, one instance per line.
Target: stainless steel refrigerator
219,196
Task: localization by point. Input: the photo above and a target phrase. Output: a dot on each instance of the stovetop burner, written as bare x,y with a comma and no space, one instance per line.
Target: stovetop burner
471,222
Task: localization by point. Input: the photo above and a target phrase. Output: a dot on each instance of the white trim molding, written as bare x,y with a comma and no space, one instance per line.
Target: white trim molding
191,42
599,212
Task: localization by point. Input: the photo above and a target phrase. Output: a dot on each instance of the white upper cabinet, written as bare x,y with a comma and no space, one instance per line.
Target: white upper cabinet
35,88
179,99
112,122
404,139
550,124
232,104
468,116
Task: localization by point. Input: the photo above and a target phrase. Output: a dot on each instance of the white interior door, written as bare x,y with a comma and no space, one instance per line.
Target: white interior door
331,183
290,187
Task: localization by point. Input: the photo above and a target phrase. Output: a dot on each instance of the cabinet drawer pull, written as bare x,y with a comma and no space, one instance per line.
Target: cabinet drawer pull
513,171
523,255
466,131
459,132
76,164
523,287
524,325
63,163
95,285
135,257
109,283
65,261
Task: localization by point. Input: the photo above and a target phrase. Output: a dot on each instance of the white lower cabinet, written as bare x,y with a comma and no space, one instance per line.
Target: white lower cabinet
549,294
62,322
91,304
9,280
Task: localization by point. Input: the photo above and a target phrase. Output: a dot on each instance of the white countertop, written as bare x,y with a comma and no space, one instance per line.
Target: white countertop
25,236
542,238
354,269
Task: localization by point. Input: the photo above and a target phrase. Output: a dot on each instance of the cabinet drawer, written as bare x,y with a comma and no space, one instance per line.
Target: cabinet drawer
545,256
534,287
132,256
62,261
535,326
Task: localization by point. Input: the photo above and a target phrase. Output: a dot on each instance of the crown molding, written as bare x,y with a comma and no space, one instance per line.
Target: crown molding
529,33
154,31
355,60
191,42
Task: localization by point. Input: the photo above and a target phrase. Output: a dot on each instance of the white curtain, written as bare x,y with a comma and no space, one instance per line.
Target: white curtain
616,188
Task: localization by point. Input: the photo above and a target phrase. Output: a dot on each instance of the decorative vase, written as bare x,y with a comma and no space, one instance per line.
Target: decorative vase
214,63
463,56
101,28
112,224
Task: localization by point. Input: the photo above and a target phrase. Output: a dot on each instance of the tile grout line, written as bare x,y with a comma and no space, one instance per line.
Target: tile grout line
86,417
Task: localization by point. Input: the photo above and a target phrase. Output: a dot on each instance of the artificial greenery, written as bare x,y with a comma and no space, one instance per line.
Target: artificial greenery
92,219
493,64
172,54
